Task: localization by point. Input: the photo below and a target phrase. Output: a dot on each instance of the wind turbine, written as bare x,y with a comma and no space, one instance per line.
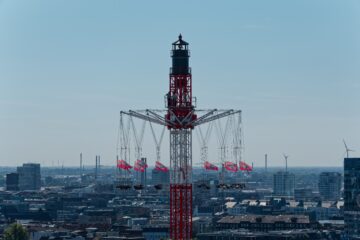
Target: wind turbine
286,162
347,149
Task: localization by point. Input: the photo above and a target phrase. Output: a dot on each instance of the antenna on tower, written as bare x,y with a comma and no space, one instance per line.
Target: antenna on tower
286,161
347,149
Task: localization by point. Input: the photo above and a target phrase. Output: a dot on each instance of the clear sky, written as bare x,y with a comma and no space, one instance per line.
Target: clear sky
68,67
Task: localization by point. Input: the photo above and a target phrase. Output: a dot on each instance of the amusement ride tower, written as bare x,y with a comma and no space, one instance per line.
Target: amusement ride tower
180,117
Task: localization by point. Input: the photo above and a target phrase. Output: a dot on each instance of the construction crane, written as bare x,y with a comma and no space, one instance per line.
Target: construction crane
180,117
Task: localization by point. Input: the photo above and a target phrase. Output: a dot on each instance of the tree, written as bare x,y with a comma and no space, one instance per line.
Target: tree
15,232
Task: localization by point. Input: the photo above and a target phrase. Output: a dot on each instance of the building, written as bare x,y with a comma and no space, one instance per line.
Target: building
29,176
12,182
330,185
284,184
303,194
160,177
352,197
242,234
143,174
154,232
97,216
316,210
265,223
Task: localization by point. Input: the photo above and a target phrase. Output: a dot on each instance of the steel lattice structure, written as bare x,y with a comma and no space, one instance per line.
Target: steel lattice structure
180,118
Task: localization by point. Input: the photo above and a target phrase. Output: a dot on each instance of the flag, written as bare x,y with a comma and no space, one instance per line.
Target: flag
160,167
245,167
138,168
140,165
209,166
230,166
122,164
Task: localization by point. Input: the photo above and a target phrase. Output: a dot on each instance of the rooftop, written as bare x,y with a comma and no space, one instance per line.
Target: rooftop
265,219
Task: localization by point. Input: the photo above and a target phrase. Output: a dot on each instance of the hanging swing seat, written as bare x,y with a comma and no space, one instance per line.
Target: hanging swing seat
138,187
203,185
238,185
123,187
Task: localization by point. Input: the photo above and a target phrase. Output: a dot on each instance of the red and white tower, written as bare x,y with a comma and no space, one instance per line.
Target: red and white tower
180,118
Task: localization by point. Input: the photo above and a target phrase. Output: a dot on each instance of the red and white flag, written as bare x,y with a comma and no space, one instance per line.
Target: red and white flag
230,166
140,165
160,167
209,166
122,164
245,167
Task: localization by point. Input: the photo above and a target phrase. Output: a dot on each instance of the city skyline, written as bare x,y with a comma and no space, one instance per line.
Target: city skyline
66,70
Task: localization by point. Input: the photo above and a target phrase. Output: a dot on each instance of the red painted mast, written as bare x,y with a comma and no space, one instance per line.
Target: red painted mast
180,117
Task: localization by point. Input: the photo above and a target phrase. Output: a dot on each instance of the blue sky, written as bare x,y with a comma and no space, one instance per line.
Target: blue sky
68,67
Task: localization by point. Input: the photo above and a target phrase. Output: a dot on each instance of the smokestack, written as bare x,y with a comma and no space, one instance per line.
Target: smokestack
266,163
143,174
96,166
99,163
80,164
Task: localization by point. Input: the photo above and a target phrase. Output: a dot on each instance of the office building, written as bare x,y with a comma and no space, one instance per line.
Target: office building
29,176
12,182
143,174
284,184
352,197
263,223
160,177
330,186
303,194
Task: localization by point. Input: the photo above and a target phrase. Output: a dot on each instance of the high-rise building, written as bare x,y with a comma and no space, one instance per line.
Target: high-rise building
143,174
29,176
160,177
330,185
303,194
12,182
352,197
284,184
